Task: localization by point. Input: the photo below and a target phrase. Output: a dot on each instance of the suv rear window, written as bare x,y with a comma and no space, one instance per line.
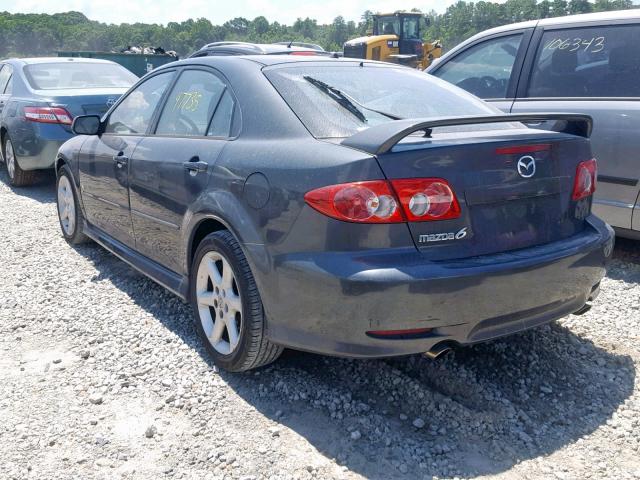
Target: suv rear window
588,62
71,75
395,91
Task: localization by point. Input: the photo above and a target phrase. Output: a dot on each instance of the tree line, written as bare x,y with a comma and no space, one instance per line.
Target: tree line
44,34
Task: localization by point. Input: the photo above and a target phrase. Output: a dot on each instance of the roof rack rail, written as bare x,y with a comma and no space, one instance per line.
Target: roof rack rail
223,44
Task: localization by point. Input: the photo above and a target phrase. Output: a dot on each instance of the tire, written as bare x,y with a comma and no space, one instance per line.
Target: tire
228,312
69,212
17,176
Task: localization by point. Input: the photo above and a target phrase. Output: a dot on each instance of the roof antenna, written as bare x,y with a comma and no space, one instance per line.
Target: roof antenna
290,43
362,64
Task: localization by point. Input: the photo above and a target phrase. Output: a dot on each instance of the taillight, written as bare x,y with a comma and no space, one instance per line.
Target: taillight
302,53
364,202
427,199
48,115
380,201
585,181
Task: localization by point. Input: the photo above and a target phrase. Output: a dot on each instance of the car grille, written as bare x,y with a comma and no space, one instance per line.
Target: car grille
355,51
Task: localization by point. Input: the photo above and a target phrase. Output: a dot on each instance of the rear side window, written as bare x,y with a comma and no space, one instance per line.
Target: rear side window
588,62
5,75
340,100
223,117
191,104
485,68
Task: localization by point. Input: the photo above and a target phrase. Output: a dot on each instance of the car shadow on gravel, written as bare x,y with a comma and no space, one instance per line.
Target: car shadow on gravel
43,190
476,411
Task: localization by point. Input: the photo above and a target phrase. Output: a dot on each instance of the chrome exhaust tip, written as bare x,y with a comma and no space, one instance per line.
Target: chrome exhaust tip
437,351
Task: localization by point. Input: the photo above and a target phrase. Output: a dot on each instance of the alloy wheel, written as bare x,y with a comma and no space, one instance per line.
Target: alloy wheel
66,206
219,303
10,159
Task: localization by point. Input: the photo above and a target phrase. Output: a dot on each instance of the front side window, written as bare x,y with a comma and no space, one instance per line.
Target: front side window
587,62
133,115
338,101
78,75
485,68
191,104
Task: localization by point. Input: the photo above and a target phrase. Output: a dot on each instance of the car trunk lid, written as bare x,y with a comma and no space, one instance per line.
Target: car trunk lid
90,101
513,192
514,184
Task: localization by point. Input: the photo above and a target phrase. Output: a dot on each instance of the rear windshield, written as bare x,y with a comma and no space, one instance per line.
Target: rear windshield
392,91
54,76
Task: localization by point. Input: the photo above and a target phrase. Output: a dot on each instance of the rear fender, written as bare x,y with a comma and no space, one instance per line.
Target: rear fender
221,206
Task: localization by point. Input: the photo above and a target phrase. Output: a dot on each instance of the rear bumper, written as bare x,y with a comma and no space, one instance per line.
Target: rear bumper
36,147
327,302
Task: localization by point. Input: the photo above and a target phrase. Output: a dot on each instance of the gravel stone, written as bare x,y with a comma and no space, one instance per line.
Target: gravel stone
559,399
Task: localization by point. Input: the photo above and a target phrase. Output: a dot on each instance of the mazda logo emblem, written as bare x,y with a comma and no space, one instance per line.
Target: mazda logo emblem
527,166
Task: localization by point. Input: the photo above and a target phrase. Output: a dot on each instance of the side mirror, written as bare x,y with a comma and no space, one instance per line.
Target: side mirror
86,125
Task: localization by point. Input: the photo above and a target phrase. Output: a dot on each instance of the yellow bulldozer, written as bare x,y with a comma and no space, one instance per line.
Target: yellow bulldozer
397,38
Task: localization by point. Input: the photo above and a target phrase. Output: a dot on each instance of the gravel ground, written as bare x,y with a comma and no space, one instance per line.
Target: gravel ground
103,377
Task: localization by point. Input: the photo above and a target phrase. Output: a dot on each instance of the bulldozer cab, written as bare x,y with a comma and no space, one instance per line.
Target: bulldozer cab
397,38
406,26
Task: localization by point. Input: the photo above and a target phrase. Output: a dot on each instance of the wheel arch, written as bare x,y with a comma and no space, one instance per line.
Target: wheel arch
205,226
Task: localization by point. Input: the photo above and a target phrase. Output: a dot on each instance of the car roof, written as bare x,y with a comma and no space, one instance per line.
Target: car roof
568,20
268,60
30,61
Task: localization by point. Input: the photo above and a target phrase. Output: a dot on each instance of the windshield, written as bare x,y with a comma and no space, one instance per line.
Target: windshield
376,91
54,76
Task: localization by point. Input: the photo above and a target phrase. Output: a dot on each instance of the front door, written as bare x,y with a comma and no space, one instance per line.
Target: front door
104,159
170,169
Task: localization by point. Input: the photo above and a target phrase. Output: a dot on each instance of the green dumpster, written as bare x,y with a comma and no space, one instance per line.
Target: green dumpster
138,63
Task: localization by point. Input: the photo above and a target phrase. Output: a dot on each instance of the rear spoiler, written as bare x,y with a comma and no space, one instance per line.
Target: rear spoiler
381,139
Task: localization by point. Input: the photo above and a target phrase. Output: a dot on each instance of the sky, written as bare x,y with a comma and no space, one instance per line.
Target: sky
164,11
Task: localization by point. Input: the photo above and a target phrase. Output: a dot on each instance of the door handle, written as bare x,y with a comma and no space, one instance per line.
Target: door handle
195,166
120,160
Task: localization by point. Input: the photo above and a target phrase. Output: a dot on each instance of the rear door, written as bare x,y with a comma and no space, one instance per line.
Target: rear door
170,168
488,68
104,159
594,69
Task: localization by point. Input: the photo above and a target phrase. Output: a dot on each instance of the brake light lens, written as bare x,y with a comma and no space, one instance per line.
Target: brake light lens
520,149
381,201
48,115
586,177
363,202
427,199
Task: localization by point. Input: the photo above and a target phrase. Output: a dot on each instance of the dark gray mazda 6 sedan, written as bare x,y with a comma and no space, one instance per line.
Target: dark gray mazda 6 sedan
343,207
